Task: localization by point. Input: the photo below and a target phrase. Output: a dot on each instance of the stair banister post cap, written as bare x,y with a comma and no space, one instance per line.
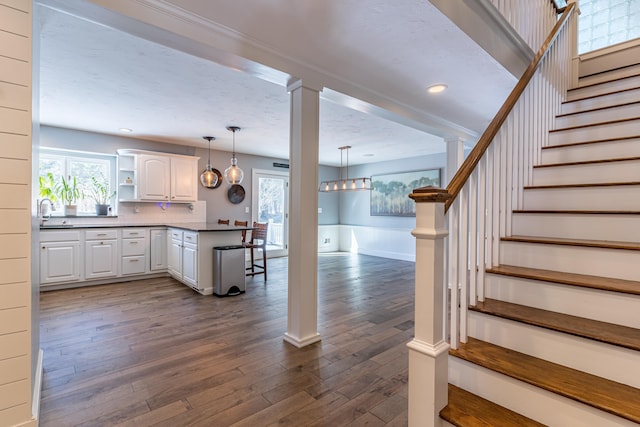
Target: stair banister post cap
430,194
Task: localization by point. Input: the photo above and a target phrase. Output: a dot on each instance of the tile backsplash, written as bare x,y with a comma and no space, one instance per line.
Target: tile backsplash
144,214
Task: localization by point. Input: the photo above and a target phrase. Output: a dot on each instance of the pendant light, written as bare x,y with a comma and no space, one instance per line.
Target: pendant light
208,178
346,184
233,174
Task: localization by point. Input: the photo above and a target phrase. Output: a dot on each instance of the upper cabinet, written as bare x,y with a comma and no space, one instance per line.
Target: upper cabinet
157,177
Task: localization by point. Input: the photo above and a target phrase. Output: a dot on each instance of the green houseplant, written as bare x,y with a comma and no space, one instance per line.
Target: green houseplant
100,193
68,192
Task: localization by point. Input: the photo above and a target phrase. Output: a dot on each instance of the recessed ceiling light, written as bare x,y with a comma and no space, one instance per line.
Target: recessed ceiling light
368,155
126,130
437,88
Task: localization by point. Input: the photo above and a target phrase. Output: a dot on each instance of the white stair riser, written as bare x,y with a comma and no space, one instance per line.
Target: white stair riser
621,112
596,133
609,75
619,228
618,197
601,101
593,173
528,400
595,151
621,264
583,92
604,306
574,352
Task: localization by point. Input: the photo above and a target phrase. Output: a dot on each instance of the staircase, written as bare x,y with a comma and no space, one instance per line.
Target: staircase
556,340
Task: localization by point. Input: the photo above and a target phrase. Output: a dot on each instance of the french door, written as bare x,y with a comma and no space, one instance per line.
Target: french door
270,193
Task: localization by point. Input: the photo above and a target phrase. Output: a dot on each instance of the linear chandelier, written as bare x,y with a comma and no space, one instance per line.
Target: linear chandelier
346,184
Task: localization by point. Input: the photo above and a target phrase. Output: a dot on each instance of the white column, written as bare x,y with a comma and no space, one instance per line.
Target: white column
428,351
455,157
302,324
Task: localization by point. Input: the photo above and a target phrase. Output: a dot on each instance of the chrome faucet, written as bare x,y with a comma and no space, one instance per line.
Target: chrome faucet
41,211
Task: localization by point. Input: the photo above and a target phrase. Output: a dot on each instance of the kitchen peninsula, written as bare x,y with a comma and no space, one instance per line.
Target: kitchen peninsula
82,255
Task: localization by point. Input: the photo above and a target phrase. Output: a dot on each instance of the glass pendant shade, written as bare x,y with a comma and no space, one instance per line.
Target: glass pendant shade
208,178
233,174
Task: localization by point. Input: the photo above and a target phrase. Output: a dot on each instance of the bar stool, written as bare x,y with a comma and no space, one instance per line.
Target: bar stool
258,241
244,232
223,221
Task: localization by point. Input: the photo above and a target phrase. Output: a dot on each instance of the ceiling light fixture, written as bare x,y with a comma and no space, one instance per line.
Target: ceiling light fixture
346,184
208,178
126,130
233,174
437,88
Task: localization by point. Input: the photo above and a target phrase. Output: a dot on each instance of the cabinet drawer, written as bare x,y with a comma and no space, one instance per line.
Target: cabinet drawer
133,246
100,234
133,265
190,237
60,236
175,234
133,232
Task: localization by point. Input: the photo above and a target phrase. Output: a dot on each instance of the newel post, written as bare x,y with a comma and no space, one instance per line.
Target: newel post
428,351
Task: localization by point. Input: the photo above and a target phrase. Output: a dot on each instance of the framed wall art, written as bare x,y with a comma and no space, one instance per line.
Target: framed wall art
390,194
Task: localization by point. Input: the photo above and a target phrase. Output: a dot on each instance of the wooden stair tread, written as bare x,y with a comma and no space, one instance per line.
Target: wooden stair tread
573,279
577,211
609,333
594,109
596,184
466,409
596,141
587,162
594,124
605,244
615,398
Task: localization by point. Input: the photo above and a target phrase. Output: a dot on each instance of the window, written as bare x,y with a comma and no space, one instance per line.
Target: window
83,166
603,23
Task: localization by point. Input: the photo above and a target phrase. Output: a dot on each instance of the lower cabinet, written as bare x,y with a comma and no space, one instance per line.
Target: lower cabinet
158,250
183,257
101,254
134,251
60,257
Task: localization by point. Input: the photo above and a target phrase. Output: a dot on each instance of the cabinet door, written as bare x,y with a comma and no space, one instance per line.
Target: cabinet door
158,250
184,179
174,259
101,259
59,262
153,177
190,265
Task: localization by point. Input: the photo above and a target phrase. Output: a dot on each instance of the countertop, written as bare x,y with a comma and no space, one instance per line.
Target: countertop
191,226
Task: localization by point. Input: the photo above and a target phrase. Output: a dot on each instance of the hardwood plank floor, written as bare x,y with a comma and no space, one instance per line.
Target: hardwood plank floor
153,352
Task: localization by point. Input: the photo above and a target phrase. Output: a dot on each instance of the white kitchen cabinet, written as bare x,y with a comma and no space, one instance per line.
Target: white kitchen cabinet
154,177
158,250
101,254
59,257
184,179
183,257
134,251
174,255
148,176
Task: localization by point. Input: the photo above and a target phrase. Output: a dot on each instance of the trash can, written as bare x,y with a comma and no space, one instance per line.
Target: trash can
228,270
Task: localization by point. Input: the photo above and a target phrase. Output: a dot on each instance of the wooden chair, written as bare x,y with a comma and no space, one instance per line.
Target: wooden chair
244,232
223,221
258,241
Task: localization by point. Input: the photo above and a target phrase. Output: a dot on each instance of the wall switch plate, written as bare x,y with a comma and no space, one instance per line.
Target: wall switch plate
319,210
246,209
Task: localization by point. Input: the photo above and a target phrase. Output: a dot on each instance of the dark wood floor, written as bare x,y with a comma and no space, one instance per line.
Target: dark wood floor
153,352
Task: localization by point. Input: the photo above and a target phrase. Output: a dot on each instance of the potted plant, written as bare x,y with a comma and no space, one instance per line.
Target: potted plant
68,192
100,193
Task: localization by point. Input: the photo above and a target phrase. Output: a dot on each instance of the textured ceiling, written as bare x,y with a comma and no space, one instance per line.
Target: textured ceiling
97,78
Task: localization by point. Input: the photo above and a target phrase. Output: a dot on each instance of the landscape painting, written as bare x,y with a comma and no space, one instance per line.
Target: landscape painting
390,194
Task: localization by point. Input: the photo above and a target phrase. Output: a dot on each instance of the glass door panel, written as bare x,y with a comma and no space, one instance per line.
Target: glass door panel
271,205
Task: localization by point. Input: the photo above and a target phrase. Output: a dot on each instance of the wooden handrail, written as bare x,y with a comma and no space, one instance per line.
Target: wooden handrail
465,171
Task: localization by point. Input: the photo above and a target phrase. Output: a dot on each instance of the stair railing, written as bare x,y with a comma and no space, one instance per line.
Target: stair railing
474,211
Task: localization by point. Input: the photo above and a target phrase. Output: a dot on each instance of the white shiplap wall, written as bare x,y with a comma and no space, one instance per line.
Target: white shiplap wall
15,212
